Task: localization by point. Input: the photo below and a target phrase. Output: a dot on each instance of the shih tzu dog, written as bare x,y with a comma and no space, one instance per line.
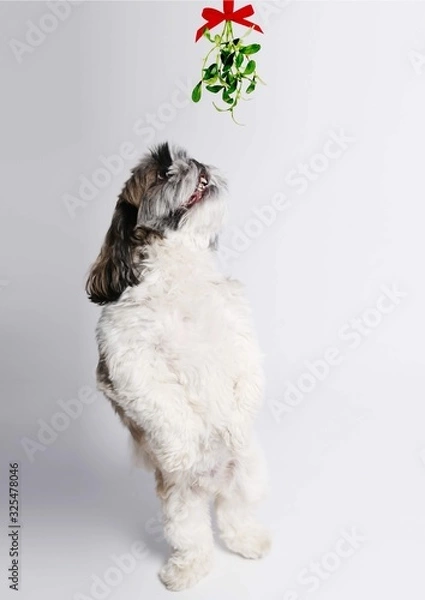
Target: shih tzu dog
179,361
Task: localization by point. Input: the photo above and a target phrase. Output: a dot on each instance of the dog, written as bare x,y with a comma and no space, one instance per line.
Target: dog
179,361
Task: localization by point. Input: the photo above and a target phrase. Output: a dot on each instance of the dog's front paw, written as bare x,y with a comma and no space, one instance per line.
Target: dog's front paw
252,541
183,571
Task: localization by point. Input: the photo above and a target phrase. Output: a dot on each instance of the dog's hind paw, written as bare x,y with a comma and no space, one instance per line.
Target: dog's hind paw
182,572
250,542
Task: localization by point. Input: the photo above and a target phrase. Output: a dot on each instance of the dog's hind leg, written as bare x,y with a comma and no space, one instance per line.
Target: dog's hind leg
187,528
236,502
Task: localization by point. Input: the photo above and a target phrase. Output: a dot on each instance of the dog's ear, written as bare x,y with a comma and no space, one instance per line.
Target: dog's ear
114,269
118,264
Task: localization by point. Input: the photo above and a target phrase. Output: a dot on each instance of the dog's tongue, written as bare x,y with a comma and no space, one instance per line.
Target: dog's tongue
195,197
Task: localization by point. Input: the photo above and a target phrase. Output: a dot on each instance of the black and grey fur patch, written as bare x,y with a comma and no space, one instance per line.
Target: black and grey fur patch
162,156
154,200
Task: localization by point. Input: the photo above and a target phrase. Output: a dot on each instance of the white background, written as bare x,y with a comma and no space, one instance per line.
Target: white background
351,453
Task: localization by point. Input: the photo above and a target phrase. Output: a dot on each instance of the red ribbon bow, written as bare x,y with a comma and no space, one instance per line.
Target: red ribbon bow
214,17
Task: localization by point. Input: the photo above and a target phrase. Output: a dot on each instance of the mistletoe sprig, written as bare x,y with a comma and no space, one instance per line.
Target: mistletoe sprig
232,71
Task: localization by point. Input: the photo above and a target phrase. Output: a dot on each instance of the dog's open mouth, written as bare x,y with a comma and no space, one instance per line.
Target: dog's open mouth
199,192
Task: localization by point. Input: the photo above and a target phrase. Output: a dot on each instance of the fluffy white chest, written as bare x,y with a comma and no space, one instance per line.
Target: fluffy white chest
189,323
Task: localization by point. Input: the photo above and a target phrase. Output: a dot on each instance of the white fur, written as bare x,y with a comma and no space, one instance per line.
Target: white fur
187,369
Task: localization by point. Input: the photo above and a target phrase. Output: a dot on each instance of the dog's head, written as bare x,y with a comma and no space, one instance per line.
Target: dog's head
167,192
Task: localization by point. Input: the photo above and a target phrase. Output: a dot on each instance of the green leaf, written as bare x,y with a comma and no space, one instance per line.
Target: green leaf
197,92
232,87
239,60
251,49
226,97
251,87
250,67
228,62
214,88
224,55
233,83
210,72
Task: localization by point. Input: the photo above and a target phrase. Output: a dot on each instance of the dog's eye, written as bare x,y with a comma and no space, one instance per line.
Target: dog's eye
161,175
